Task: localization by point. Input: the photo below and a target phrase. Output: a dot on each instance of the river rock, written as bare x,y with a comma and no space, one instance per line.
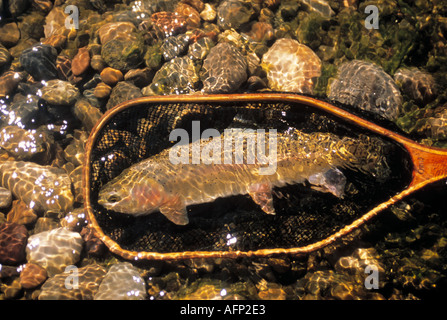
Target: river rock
417,84
13,239
23,144
5,198
366,86
21,214
40,61
54,250
123,91
122,282
42,188
291,67
231,14
224,69
111,76
63,286
9,34
176,76
81,61
60,92
32,276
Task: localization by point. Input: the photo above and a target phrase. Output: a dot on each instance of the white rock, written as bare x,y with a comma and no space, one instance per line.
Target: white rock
122,282
54,250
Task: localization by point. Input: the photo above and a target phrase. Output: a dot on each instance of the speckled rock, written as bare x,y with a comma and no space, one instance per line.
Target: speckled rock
200,49
122,282
40,61
32,276
5,198
23,144
13,239
234,13
174,77
167,24
366,86
224,69
291,67
64,286
23,112
60,92
54,250
121,92
418,85
174,46
42,188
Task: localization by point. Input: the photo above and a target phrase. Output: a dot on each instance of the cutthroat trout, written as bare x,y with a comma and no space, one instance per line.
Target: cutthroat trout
163,183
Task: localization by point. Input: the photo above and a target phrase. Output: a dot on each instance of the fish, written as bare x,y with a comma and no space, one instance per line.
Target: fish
162,183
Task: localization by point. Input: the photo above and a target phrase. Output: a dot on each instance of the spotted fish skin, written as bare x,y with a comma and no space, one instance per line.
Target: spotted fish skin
42,188
158,184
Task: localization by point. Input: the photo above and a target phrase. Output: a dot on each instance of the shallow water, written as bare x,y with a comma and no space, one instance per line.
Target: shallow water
388,60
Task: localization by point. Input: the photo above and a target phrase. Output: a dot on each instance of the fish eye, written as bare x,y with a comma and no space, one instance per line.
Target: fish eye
113,198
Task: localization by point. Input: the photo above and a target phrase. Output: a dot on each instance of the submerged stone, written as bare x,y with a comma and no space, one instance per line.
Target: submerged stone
234,13
224,69
42,188
40,61
62,287
54,250
176,76
291,66
122,282
418,85
123,91
366,86
13,239
60,92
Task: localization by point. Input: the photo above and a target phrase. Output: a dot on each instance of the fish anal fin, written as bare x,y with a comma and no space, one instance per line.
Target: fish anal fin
175,210
261,193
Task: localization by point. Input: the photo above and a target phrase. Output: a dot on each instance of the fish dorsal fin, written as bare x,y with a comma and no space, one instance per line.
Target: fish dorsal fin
261,193
175,210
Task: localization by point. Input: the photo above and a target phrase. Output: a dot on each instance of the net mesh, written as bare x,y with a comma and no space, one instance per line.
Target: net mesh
303,215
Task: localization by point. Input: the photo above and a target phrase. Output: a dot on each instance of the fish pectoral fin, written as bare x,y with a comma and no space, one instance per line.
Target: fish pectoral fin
175,210
261,193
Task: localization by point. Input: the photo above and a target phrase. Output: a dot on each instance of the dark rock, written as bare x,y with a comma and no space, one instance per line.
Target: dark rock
40,62
13,239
